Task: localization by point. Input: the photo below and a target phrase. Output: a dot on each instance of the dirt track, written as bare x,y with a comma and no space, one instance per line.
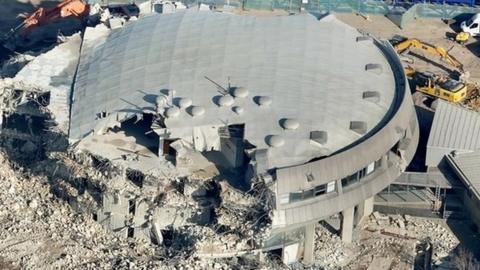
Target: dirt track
432,31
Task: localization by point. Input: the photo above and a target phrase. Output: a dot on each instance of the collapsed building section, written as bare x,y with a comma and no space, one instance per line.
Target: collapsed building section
205,127
308,117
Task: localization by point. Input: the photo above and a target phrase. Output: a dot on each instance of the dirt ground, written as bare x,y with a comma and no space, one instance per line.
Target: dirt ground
433,31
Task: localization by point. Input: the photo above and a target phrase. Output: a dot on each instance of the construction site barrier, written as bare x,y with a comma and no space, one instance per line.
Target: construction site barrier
400,12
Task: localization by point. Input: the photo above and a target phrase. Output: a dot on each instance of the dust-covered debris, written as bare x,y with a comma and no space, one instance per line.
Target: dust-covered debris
472,101
399,237
330,251
59,203
40,231
393,240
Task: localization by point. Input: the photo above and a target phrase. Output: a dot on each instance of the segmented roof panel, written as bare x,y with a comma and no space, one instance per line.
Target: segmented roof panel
453,128
311,70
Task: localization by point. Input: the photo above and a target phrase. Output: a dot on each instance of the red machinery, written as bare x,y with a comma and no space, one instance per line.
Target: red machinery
41,16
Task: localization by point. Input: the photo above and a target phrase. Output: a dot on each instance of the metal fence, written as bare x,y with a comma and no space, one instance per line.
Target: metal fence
399,11
445,9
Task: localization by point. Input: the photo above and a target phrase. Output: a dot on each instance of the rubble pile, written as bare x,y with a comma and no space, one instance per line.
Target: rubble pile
391,239
472,101
39,231
246,213
396,236
55,195
217,243
330,250
13,92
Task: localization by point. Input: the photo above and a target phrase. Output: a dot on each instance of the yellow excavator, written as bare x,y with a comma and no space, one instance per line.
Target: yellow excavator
440,86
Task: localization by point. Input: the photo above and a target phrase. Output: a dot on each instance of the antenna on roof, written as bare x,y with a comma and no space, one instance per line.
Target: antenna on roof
220,88
228,85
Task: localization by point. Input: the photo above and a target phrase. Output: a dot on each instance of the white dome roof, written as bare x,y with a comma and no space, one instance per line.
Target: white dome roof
275,140
172,112
196,110
289,123
225,101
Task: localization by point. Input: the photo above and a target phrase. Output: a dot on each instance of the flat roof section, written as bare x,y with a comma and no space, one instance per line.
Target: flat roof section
466,166
309,87
453,128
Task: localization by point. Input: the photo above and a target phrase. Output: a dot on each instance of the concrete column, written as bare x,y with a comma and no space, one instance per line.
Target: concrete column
309,248
347,225
364,209
160,146
368,207
339,186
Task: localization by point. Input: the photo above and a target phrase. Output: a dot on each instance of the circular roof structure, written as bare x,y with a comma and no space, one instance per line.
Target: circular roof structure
289,123
274,140
240,92
225,101
238,109
184,103
263,100
196,110
290,67
172,112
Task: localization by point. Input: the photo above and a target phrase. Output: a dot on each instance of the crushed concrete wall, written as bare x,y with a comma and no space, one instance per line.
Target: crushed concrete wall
53,72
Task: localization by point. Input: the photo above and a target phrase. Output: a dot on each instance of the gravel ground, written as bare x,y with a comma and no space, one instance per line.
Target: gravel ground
432,31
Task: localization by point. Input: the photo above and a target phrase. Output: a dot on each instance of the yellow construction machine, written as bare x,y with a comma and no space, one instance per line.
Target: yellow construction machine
440,86
462,37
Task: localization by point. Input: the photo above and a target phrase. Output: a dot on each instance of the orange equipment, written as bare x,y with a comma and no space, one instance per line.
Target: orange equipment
67,8
41,16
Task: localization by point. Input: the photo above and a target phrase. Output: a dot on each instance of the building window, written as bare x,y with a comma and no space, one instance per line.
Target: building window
362,173
349,180
319,190
296,196
331,187
307,194
370,168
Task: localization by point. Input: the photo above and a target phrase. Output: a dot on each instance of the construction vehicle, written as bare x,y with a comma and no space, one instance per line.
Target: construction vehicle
462,37
472,25
41,16
470,28
402,46
439,86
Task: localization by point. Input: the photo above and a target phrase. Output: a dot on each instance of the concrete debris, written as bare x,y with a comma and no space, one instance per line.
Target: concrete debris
405,233
40,231
389,243
115,23
472,101
330,251
110,202
47,220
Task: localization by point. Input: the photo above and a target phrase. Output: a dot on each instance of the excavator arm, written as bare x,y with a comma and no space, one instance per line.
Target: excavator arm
41,16
403,46
67,8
